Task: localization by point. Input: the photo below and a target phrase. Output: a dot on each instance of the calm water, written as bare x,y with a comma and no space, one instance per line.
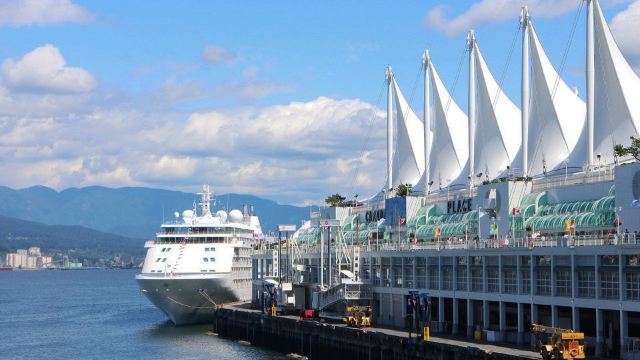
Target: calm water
97,314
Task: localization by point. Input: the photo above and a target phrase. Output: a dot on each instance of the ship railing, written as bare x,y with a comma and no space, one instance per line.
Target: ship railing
149,243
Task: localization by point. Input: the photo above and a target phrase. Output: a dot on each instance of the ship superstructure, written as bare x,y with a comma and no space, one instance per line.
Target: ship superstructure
200,260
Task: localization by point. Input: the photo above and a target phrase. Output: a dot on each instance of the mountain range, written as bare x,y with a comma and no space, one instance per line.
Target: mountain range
77,240
133,212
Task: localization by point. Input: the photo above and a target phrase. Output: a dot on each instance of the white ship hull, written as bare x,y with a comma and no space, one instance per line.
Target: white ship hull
189,299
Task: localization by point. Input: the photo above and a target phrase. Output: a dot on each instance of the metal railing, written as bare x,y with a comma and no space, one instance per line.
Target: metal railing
538,242
598,174
344,292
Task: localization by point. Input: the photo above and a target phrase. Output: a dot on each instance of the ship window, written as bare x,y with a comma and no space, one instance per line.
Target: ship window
212,259
212,271
158,259
164,260
203,270
205,259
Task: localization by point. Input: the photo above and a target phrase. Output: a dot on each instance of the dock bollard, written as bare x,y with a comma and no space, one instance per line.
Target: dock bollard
425,334
273,310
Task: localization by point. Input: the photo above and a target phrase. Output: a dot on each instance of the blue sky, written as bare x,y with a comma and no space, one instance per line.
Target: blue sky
171,94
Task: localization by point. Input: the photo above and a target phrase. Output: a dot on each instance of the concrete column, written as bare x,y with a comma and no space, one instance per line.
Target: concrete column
440,273
503,320
403,274
520,339
518,275
468,274
554,315
624,330
500,275
599,332
574,282
597,276
441,317
622,281
575,318
532,277
456,318
470,319
485,314
415,272
534,320
484,271
553,276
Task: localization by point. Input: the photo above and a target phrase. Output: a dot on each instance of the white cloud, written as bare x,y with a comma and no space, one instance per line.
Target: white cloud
291,152
494,11
215,54
625,27
44,70
42,12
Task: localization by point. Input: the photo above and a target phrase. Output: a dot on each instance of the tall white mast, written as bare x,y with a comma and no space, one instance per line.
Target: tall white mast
524,21
590,82
389,79
471,40
427,119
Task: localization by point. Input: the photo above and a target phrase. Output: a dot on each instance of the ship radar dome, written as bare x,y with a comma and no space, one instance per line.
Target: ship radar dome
222,215
187,215
235,216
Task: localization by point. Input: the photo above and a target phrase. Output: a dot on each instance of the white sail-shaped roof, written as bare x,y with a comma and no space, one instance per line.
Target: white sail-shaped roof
408,157
450,146
556,120
617,90
498,129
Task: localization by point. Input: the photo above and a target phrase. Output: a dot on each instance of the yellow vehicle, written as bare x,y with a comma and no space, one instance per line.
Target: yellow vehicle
358,316
561,343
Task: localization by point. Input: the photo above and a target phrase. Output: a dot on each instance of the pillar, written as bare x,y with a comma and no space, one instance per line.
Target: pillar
441,317
485,314
456,318
520,339
624,330
575,318
503,321
599,332
470,318
554,315
534,320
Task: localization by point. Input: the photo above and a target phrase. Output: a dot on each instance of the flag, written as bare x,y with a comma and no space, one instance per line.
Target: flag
402,221
515,211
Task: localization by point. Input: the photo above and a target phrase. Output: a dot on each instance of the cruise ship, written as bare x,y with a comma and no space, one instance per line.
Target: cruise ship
200,261
496,217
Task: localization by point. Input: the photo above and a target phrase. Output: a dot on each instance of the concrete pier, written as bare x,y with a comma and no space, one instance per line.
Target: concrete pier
289,334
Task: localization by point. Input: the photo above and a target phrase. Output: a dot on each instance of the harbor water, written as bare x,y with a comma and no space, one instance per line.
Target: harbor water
98,314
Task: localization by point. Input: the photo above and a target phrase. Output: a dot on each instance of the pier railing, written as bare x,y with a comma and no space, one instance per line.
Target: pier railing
538,242
345,291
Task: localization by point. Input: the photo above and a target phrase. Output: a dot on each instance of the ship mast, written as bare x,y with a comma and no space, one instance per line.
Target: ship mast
524,22
427,119
389,79
471,40
205,200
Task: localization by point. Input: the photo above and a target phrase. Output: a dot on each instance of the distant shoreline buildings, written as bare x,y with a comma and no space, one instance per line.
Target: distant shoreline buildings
31,258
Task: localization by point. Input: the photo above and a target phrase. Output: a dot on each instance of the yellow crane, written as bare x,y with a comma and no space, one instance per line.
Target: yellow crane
561,344
358,316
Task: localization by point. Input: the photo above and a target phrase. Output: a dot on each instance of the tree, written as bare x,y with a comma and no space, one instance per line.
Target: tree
633,149
403,190
334,200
